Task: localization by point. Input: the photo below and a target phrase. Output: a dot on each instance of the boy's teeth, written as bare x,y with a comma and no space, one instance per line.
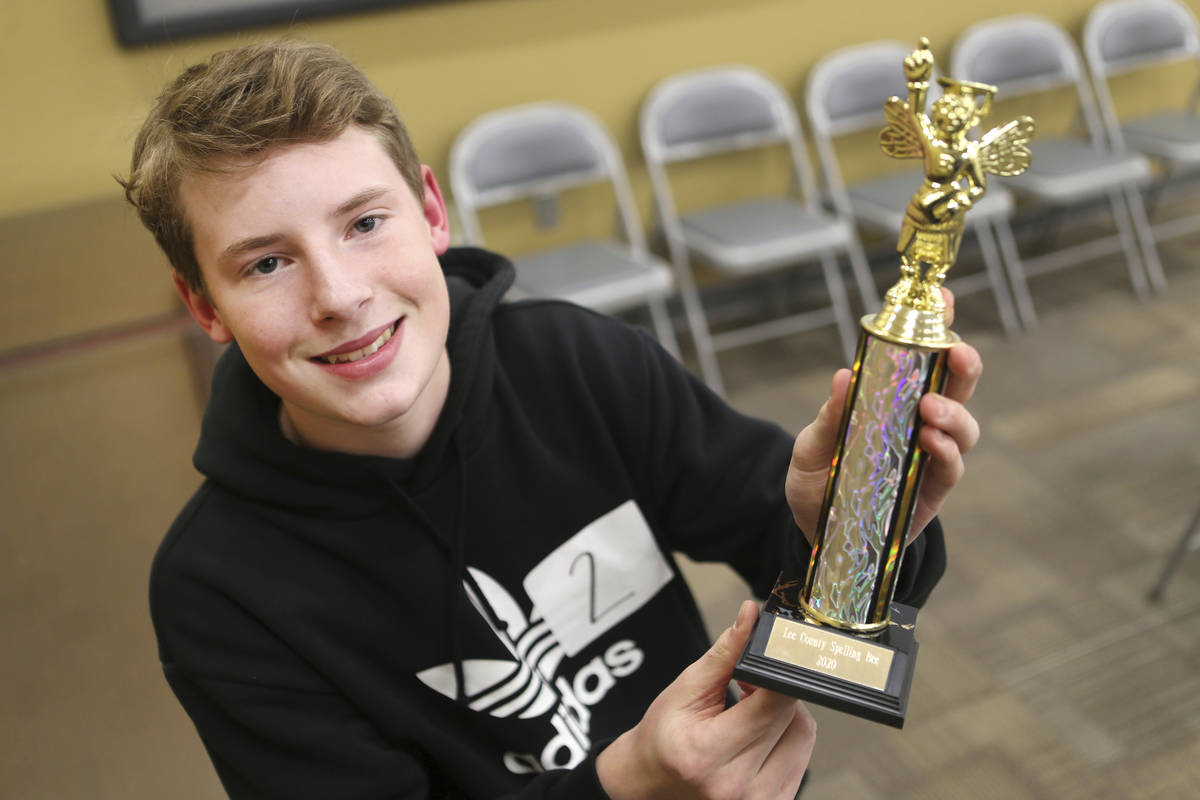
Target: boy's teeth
355,355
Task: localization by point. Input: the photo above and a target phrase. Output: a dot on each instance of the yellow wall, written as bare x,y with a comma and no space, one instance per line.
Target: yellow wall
96,446
72,97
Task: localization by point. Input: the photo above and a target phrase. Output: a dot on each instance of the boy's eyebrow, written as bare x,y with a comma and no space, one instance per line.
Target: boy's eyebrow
359,198
246,245
255,242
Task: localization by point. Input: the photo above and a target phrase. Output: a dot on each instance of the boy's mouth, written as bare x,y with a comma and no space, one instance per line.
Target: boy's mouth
358,353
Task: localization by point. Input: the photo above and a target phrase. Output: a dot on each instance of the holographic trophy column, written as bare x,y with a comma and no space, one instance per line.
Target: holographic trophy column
834,636
857,551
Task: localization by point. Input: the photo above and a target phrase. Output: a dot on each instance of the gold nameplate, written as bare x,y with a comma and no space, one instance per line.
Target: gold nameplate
821,650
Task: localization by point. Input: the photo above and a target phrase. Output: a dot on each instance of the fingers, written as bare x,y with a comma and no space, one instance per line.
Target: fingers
761,714
707,679
943,471
732,641
746,689
812,451
688,744
959,427
948,298
775,733
950,429
775,759
739,738
831,411
815,444
784,768
948,432
679,744
963,370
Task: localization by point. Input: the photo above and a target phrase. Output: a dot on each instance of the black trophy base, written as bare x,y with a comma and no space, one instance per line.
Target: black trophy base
866,676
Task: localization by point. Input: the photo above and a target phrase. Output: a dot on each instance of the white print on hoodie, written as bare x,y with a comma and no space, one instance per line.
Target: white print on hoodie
597,578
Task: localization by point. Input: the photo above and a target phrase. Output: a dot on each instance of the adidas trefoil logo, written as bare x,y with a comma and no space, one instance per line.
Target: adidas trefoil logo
529,686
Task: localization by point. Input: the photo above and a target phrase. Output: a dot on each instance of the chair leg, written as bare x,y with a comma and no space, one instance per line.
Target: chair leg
1145,237
1152,196
1188,542
862,275
693,309
841,305
1133,261
1016,272
663,329
995,273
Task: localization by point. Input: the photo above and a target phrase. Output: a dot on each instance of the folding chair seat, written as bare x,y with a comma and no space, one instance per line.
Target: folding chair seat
705,113
845,95
534,153
1024,55
1128,36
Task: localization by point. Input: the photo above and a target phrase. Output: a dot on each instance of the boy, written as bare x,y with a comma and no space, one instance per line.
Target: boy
431,557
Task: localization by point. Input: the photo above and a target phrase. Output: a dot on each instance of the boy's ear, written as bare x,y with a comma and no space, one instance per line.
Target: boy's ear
434,208
203,311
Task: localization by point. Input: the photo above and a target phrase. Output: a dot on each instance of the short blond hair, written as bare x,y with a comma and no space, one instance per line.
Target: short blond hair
237,105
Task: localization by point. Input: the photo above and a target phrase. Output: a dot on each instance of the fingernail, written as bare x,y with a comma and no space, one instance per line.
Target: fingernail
743,616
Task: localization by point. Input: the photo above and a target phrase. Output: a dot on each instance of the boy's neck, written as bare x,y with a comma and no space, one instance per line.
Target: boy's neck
403,437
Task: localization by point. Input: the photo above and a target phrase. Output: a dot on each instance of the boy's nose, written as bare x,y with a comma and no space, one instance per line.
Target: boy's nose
337,290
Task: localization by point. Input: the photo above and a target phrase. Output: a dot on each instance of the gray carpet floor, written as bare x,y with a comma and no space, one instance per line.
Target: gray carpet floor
1044,671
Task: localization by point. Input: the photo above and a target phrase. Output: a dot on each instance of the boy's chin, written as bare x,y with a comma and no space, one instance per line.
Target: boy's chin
378,417
367,419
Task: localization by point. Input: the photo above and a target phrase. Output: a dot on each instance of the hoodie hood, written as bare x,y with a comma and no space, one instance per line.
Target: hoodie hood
243,449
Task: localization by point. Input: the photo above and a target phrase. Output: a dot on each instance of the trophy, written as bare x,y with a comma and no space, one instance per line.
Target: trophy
834,636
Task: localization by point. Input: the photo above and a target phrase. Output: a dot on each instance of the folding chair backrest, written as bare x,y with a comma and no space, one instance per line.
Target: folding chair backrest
1122,35
1024,54
711,111
846,89
845,94
535,151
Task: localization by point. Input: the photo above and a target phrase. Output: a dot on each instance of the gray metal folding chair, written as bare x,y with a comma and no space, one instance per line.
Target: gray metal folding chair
1127,36
704,113
845,94
1028,54
535,152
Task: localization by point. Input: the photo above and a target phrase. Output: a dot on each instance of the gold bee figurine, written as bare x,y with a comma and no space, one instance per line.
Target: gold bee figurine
956,169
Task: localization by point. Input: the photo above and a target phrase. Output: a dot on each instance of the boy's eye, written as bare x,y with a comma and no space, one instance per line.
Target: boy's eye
366,224
265,266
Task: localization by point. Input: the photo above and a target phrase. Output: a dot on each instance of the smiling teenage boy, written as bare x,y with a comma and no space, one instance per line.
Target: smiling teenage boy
432,555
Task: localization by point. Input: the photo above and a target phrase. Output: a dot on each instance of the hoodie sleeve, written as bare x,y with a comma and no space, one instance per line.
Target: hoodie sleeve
272,725
718,478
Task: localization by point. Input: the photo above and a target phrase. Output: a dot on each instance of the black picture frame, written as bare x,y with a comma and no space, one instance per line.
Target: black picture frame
140,22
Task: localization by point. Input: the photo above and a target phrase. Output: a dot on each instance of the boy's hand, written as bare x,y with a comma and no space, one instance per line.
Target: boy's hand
948,433
688,745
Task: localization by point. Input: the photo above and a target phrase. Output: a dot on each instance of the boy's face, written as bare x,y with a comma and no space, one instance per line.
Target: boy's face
323,266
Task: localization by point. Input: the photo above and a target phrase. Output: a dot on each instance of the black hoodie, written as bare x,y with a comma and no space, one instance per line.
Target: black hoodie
477,621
